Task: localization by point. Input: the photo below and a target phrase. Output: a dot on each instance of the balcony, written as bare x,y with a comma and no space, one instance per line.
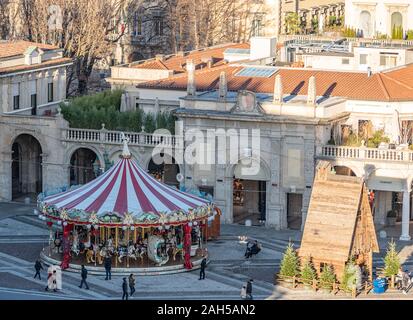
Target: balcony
364,154
115,137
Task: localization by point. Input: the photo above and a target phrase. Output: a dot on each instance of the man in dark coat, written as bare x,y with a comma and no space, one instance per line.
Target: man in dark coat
249,289
38,266
108,267
125,289
203,266
83,273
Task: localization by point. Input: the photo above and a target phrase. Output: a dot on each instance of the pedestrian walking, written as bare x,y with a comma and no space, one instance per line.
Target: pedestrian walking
38,266
108,267
132,284
249,289
51,279
83,274
244,292
203,266
125,289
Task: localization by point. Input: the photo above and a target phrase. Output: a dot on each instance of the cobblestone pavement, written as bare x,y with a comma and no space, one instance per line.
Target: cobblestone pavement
22,237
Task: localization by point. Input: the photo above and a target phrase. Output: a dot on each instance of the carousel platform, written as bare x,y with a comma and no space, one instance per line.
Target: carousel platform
139,268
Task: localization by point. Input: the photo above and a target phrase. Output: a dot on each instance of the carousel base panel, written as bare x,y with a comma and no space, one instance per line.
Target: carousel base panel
137,268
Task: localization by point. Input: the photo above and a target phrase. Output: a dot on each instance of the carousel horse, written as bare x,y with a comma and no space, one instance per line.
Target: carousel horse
57,244
155,244
175,248
140,251
75,244
90,255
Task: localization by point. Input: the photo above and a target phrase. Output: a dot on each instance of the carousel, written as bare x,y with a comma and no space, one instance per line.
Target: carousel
129,216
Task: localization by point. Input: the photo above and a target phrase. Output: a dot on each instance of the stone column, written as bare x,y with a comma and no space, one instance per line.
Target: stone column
405,236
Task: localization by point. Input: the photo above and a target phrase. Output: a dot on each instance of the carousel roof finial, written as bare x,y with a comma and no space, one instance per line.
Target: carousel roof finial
125,152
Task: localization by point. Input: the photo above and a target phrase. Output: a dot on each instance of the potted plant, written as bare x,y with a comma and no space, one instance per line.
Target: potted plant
391,261
308,274
289,265
350,280
391,217
327,278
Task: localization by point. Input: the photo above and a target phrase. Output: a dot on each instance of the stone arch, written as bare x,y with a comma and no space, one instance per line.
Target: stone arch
26,172
81,165
166,172
358,172
249,195
344,171
366,23
396,19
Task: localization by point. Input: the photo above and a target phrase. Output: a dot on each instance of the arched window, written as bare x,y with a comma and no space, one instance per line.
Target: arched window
396,20
365,24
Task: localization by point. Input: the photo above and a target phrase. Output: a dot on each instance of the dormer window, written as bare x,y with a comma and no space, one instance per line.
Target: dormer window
33,55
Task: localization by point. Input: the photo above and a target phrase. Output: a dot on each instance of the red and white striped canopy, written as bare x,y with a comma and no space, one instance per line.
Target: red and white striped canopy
126,189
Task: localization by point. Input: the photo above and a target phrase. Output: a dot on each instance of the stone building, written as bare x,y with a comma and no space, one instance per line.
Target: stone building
377,18
32,77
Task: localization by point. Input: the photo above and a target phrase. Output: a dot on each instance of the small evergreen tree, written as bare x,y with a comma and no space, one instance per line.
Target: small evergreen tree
391,260
349,280
327,277
290,262
308,273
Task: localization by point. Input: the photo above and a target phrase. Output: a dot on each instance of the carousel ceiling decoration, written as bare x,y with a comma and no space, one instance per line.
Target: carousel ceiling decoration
126,195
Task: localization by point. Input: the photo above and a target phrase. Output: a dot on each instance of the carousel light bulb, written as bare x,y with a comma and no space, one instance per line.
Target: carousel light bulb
132,228
190,224
88,226
35,212
64,223
124,228
195,223
160,227
44,218
59,223
40,216
167,227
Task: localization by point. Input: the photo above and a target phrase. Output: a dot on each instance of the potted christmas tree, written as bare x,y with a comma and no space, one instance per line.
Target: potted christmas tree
391,262
289,265
308,273
327,278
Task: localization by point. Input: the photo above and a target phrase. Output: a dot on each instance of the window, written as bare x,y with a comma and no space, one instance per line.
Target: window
137,25
158,24
363,59
50,92
33,103
16,102
388,60
345,61
16,96
256,27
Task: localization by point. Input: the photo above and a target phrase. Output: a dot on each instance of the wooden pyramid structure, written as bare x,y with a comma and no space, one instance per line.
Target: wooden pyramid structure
339,224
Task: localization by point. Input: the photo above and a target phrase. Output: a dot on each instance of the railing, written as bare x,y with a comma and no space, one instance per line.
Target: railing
334,288
360,153
115,137
366,41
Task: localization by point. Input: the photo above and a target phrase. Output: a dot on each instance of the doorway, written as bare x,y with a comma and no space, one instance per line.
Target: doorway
249,201
294,210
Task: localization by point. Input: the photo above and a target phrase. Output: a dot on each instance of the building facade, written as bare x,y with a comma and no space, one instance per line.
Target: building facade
376,18
32,78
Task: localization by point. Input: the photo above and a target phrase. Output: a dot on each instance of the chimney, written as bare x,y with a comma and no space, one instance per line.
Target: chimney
190,68
369,72
208,61
278,90
312,92
160,57
223,88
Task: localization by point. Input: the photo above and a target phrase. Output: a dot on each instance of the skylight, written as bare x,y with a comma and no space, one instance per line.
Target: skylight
256,72
237,51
